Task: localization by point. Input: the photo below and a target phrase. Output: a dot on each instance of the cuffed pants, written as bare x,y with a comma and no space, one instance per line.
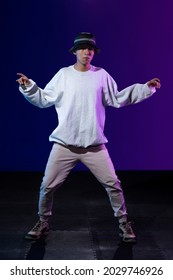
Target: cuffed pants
96,158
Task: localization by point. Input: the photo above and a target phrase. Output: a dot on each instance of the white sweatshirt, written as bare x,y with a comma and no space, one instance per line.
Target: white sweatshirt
80,99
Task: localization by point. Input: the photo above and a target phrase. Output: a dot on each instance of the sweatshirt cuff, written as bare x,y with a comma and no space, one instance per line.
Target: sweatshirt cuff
151,89
28,87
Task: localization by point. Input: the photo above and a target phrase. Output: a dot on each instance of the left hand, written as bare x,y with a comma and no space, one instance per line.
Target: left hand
154,83
23,80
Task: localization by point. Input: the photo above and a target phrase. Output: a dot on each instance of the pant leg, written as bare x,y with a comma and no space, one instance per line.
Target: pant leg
60,162
97,159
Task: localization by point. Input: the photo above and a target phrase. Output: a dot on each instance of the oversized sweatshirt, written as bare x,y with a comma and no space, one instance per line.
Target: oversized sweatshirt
80,99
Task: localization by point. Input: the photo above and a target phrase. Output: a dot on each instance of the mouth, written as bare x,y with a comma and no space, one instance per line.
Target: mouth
86,57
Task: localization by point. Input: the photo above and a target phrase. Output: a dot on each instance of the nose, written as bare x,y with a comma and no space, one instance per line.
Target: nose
86,51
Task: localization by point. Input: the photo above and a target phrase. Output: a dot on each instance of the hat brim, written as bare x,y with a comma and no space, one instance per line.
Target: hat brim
81,46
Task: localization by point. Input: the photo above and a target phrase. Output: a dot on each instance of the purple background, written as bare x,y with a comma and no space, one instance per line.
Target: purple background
136,41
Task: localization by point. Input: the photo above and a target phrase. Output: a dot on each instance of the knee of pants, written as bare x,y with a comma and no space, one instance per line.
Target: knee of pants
110,179
114,183
46,190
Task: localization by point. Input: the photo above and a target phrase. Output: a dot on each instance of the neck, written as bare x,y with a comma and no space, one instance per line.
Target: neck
82,67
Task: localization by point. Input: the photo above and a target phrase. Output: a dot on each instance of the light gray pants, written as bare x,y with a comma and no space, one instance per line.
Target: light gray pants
61,161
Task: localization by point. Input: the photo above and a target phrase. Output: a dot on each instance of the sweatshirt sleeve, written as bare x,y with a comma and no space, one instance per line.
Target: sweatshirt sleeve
130,95
43,98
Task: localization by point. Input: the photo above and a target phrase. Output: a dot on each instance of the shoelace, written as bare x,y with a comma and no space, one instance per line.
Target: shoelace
128,227
38,225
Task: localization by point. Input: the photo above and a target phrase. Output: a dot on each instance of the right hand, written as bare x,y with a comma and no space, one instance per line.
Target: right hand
23,80
154,83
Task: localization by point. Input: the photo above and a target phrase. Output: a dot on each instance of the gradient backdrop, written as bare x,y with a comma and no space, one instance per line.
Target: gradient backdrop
136,41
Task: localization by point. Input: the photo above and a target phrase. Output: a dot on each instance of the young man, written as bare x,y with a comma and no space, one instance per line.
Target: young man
80,94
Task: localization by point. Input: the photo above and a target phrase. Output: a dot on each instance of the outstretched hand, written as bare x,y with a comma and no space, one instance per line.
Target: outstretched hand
154,83
23,80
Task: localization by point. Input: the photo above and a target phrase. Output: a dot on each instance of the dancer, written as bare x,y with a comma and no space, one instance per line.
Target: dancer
80,94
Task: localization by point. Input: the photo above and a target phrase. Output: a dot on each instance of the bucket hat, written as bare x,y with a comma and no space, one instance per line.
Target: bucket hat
84,39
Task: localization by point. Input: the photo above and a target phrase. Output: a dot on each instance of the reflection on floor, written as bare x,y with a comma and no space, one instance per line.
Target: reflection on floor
82,225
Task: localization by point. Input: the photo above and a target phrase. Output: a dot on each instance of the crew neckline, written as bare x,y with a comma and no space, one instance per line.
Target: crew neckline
82,72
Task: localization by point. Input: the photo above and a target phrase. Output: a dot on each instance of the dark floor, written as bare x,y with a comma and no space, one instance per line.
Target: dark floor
82,225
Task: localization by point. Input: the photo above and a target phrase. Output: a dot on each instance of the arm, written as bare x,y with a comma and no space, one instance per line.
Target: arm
130,95
35,95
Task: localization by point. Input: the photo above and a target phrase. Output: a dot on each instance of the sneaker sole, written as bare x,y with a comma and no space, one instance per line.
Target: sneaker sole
130,240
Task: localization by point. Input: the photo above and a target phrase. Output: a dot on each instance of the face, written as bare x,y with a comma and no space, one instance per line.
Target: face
84,56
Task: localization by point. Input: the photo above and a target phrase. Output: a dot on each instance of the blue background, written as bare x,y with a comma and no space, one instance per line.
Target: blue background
136,41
